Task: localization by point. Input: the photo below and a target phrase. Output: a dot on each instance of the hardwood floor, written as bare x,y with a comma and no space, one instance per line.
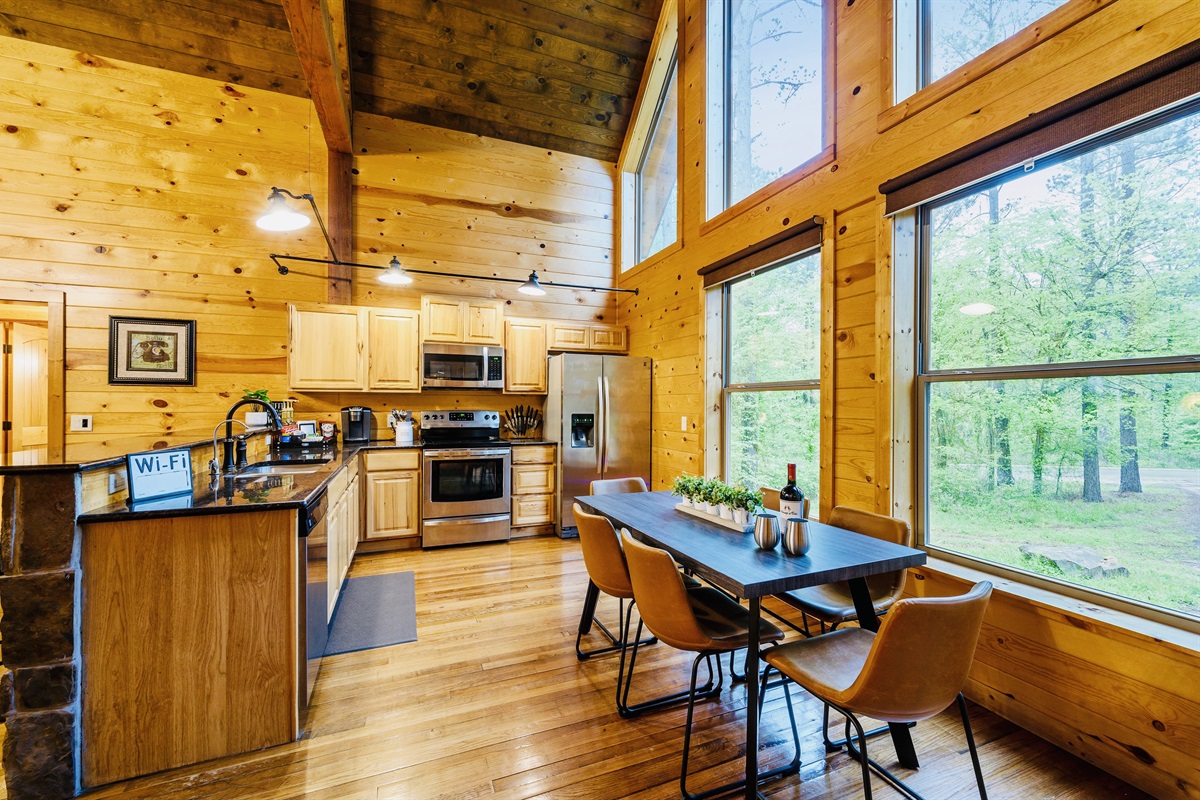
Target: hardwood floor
491,702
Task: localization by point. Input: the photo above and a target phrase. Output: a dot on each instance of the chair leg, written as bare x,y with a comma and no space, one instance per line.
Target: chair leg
588,618
625,679
859,753
966,720
787,696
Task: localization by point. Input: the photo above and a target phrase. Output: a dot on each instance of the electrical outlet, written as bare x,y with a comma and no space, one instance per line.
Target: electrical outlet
683,424
81,422
116,482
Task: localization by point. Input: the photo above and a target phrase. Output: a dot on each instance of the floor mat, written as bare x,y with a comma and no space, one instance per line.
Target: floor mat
374,611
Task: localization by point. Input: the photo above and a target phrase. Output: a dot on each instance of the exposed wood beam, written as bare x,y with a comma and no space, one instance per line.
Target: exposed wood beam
321,45
341,224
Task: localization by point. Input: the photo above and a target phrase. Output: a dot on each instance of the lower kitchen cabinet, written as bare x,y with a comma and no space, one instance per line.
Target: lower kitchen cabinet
533,489
393,480
342,530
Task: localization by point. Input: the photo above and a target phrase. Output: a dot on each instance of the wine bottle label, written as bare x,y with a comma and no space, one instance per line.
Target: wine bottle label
791,508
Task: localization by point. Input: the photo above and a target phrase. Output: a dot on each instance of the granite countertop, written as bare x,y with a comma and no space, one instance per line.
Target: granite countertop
235,493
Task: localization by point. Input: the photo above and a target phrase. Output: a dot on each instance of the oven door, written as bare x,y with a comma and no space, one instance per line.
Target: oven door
464,482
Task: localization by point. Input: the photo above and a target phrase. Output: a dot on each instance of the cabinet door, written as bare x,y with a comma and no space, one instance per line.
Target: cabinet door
393,504
353,525
335,525
568,336
533,479
327,348
532,509
484,322
395,350
607,338
525,357
441,319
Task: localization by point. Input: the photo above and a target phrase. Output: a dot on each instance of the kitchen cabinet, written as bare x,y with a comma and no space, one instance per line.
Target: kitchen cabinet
327,347
583,337
525,356
342,530
393,504
533,489
394,352
465,320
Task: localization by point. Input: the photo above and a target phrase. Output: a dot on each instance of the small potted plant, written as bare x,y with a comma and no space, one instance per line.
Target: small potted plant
745,503
724,497
704,495
682,487
257,419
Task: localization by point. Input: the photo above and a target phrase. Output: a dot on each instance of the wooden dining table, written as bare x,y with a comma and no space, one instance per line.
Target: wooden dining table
730,560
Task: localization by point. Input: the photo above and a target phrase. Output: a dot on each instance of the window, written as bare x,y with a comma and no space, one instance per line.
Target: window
1060,366
949,33
767,117
658,176
772,374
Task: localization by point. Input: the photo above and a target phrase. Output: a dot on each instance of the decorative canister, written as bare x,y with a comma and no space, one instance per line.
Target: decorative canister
795,537
766,531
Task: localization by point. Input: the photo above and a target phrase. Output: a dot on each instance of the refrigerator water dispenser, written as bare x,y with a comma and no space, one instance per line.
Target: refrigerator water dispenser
582,426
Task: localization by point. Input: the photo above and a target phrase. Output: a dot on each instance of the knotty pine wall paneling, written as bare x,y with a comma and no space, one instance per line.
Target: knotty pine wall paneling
134,190
667,323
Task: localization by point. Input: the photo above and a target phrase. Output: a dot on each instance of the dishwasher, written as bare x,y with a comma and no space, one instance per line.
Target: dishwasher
312,616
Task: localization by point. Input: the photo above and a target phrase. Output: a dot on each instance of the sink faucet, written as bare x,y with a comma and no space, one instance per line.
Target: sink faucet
230,461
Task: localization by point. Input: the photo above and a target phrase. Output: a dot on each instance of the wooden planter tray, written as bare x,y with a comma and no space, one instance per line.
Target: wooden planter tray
716,519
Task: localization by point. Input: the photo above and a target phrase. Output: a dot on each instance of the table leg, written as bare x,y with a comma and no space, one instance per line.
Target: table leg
752,701
906,754
589,608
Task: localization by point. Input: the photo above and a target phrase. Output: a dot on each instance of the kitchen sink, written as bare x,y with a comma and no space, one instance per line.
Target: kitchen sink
284,467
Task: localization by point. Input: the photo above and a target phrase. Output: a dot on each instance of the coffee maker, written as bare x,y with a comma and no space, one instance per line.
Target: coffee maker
356,425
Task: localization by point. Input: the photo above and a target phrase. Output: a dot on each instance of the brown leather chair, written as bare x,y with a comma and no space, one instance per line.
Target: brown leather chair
618,486
608,573
912,669
831,603
701,620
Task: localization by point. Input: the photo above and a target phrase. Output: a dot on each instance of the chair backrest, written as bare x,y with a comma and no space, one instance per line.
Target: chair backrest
602,554
888,529
618,486
920,657
771,500
661,596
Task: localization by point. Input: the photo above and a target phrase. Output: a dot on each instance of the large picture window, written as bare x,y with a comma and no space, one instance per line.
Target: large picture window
1060,366
773,369
658,176
766,111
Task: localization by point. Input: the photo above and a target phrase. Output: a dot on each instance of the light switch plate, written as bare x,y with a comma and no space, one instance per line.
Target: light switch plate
683,424
81,422
116,482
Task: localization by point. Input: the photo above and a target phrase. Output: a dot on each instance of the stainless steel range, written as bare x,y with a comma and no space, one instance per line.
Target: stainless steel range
466,472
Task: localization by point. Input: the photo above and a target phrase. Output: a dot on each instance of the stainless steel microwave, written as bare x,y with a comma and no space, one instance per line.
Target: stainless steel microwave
462,366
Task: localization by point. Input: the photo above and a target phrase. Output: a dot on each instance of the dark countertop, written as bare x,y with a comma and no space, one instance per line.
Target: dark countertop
247,492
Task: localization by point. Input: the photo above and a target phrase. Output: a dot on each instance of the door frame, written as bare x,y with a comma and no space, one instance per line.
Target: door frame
56,328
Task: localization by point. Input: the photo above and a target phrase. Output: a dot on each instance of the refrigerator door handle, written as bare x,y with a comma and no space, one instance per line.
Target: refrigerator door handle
601,424
604,457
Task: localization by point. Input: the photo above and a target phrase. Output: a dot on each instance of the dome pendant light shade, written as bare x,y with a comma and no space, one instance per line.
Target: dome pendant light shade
531,286
279,216
395,274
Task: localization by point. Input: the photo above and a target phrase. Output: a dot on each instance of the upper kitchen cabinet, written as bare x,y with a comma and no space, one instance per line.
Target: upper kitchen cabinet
327,347
525,352
395,350
462,319
587,338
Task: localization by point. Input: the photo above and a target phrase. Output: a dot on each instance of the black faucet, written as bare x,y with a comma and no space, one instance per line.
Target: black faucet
231,458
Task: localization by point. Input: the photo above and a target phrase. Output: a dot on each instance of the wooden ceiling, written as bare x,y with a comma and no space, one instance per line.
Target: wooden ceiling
558,74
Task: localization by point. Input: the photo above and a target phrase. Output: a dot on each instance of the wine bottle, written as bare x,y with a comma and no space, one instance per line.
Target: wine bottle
791,499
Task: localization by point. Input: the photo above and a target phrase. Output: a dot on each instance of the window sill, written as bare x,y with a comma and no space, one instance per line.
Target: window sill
990,60
810,167
650,261
1082,613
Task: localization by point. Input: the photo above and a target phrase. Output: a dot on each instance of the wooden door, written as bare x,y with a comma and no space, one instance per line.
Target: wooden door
393,504
525,354
394,350
327,348
29,379
484,322
442,319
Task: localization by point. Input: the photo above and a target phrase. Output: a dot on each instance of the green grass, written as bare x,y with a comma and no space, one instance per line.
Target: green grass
1156,535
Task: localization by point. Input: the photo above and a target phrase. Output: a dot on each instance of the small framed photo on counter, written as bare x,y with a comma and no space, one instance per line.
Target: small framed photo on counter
145,351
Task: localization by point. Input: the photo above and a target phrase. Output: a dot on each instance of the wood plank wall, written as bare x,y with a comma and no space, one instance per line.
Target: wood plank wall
134,190
667,323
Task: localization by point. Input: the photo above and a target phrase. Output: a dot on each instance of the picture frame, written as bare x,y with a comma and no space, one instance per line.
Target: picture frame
148,351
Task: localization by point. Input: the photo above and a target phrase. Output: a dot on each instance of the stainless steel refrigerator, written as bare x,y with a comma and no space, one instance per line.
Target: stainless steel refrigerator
598,411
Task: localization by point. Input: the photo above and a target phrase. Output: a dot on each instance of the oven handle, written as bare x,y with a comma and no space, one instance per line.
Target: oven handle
433,523
441,455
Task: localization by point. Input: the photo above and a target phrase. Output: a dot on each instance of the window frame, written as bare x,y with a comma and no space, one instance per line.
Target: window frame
672,73
715,216
728,389
924,377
